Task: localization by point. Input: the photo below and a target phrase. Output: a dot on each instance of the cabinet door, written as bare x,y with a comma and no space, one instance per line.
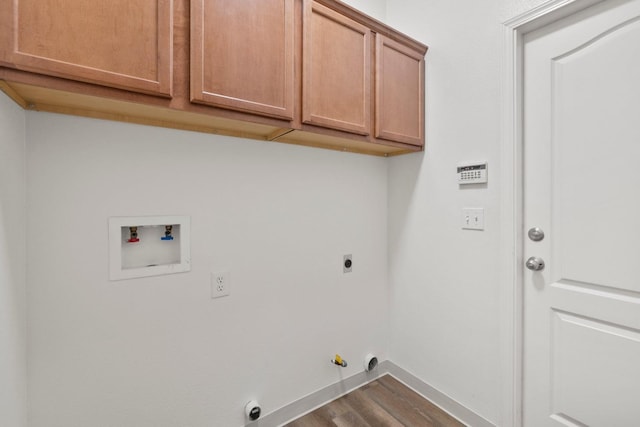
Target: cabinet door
399,92
119,43
336,72
242,55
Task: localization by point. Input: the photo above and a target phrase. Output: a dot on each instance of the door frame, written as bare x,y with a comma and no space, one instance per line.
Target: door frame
512,196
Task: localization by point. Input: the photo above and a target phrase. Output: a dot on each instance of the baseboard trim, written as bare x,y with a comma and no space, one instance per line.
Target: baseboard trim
446,403
314,400
325,395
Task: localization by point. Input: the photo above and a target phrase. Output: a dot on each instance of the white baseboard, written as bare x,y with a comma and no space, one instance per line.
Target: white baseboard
435,396
315,400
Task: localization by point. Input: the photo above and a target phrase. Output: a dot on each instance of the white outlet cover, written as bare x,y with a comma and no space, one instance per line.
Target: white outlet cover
220,278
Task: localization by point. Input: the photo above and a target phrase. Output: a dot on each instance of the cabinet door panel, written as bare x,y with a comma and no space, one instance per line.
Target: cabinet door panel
399,92
119,43
242,55
336,71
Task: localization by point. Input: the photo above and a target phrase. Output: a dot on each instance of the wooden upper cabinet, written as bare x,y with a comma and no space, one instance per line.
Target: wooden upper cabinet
336,73
242,55
311,72
399,92
119,43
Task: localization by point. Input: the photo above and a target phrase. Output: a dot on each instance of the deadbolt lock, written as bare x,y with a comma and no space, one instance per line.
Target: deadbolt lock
536,234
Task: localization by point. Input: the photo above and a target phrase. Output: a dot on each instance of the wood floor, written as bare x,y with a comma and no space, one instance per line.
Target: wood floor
383,402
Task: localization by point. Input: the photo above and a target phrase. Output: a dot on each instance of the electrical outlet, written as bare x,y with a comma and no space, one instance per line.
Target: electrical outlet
347,263
220,285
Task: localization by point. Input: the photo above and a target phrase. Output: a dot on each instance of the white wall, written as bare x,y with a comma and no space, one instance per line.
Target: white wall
375,8
159,351
444,288
13,374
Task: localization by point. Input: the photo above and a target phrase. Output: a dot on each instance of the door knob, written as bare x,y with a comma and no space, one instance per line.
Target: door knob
535,264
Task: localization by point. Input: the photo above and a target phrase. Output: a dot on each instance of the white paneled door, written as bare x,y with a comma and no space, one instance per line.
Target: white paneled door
582,191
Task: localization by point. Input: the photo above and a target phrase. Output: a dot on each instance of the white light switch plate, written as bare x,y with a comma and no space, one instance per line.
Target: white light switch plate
472,219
